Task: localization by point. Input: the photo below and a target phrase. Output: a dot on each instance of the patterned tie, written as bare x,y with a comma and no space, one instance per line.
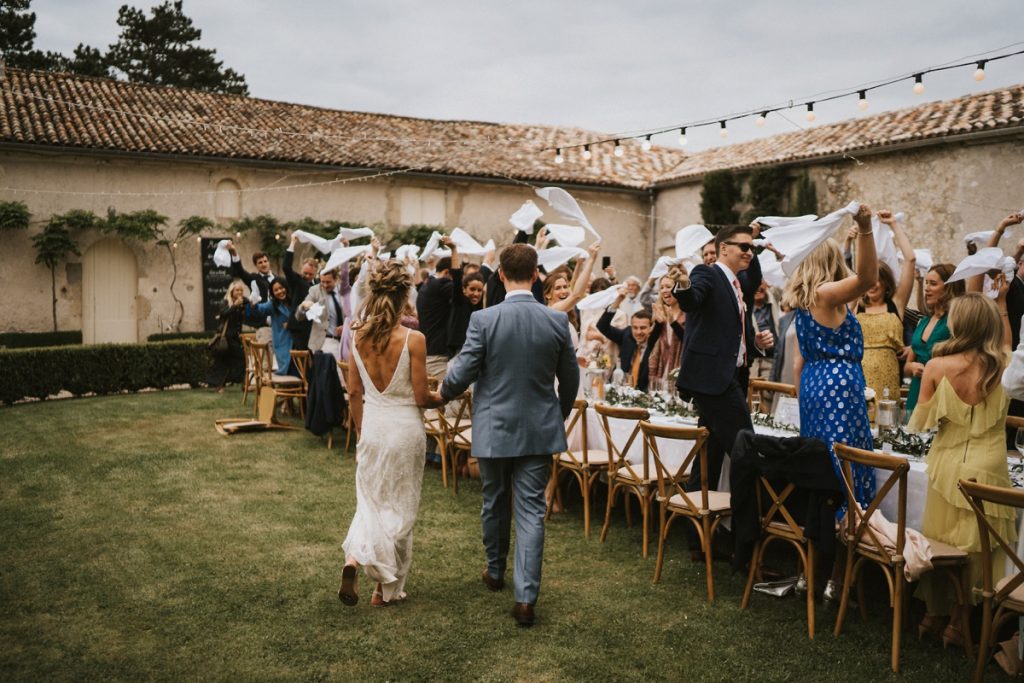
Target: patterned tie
743,328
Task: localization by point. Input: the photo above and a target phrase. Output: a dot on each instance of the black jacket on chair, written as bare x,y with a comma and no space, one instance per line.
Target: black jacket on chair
325,400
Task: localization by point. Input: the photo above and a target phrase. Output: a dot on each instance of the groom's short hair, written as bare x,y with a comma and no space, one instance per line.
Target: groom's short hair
728,232
519,262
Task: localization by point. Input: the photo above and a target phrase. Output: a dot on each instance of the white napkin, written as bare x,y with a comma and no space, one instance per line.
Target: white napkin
525,216
982,261
469,246
924,260
327,246
432,244
221,256
797,239
783,221
254,293
980,239
662,266
599,300
566,207
771,270
553,257
314,312
885,245
344,255
354,233
691,239
407,250
384,256
566,235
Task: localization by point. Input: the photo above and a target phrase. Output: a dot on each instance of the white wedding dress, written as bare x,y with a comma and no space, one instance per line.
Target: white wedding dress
389,476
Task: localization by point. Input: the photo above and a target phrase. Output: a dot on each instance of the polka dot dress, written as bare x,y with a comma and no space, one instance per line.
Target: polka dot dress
832,406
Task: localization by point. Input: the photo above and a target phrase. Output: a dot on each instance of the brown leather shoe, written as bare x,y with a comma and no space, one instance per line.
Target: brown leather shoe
523,614
492,583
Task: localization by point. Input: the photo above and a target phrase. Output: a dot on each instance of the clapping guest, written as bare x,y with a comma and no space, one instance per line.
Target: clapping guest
665,311
278,309
961,396
229,366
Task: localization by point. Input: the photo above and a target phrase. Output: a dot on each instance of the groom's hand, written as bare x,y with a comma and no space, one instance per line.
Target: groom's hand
436,399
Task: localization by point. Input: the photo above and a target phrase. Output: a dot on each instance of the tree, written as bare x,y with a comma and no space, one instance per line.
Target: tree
806,196
718,198
163,50
55,243
187,227
18,35
766,192
14,216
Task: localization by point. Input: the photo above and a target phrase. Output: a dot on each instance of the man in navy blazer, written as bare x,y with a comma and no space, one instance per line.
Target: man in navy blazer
721,341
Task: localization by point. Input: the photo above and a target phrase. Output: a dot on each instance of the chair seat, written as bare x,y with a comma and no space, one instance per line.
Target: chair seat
285,380
944,551
624,473
595,458
1018,593
463,438
718,501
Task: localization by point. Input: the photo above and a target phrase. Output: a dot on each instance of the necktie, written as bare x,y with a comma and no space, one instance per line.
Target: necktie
634,371
339,317
743,328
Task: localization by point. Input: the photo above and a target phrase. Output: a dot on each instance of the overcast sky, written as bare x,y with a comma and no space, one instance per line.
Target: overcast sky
602,65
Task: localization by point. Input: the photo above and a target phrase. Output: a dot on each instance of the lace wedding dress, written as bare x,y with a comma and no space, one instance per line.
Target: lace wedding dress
389,475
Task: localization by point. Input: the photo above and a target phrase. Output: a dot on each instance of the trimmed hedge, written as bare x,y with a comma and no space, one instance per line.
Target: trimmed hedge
24,340
171,336
100,369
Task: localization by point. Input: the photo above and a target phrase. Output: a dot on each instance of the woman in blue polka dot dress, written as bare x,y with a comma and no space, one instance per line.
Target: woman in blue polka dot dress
831,346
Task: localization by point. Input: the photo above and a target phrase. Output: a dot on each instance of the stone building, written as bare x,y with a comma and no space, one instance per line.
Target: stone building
72,142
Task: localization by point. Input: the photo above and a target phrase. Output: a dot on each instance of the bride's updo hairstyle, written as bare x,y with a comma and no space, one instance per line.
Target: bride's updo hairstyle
382,309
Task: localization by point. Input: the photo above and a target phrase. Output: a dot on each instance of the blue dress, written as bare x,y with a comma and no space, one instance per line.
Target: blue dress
832,406
282,338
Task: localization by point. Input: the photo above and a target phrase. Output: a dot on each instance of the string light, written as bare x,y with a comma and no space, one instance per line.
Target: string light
199,239
810,115
979,73
618,149
918,84
175,245
238,234
646,144
586,153
723,132
862,100
682,136
558,156
759,121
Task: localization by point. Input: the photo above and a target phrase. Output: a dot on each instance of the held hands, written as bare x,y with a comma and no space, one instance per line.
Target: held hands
436,400
764,340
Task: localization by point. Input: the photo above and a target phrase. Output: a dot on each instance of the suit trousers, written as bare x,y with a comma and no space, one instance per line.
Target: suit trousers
515,484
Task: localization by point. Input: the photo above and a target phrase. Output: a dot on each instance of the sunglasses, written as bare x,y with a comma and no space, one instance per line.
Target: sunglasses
742,246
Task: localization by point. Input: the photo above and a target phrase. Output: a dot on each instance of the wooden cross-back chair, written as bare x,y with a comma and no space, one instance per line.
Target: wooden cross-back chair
348,421
629,476
778,524
705,508
1006,595
585,464
266,379
758,388
863,544
249,377
460,436
302,361
436,427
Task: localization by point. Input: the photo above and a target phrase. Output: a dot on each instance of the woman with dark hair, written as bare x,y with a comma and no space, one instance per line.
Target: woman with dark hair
467,297
278,307
933,329
387,385
880,314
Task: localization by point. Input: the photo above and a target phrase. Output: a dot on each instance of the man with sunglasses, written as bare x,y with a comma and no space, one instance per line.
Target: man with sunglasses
720,343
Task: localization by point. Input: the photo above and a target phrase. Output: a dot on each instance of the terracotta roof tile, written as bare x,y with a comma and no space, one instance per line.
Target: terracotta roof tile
68,110
992,110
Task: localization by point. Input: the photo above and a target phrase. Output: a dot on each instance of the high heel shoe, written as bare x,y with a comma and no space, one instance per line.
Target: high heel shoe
952,636
832,591
347,592
930,626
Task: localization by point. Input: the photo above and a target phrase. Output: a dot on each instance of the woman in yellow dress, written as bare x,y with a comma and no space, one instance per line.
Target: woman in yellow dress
880,314
961,394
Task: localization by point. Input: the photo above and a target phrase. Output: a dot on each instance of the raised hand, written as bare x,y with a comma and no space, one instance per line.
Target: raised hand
863,218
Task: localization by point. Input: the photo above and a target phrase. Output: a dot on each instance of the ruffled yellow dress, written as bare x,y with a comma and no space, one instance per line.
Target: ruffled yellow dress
970,444
883,339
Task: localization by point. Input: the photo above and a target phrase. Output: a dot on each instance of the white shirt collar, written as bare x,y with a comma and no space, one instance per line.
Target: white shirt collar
728,271
519,292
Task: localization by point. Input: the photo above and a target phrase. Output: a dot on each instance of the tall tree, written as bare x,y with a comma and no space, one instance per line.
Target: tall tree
163,49
719,195
18,36
55,243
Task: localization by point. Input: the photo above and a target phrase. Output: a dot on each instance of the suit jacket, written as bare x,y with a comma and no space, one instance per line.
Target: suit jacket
627,346
713,327
514,352
319,331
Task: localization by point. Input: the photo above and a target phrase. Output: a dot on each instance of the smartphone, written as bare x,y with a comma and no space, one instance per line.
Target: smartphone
605,262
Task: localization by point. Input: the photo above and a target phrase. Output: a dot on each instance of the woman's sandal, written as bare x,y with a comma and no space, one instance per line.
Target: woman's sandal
347,592
930,626
377,600
952,636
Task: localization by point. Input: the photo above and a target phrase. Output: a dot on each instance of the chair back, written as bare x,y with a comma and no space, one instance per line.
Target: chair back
977,495
262,362
577,418
618,455
302,360
856,530
758,387
459,422
671,482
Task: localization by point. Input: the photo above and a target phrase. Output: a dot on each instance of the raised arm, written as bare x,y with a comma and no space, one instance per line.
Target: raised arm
581,280
604,323
1012,219
906,283
841,292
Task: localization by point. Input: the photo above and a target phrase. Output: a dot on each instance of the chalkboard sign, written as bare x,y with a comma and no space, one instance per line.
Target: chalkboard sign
216,281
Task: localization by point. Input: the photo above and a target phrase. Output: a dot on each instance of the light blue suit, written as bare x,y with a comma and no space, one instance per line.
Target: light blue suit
514,352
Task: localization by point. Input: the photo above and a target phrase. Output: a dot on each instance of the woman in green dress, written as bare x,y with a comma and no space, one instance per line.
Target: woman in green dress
933,329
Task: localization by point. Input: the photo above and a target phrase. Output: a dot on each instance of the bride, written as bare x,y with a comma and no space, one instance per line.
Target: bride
387,384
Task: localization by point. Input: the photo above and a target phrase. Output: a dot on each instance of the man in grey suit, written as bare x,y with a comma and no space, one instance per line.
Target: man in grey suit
514,352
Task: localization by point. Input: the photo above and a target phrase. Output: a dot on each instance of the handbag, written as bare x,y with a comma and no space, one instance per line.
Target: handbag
219,343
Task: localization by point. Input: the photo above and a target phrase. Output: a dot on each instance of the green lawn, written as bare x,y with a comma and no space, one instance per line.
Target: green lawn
138,543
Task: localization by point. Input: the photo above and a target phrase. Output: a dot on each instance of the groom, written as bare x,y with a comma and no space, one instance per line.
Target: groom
514,352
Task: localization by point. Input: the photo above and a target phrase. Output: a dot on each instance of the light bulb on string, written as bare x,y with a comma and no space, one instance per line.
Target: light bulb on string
238,233
810,115
277,236
618,149
918,84
646,144
723,132
558,156
759,121
682,136
979,73
175,245
862,101
586,153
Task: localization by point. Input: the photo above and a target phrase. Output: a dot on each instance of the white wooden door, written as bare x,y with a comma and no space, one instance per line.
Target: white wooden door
109,286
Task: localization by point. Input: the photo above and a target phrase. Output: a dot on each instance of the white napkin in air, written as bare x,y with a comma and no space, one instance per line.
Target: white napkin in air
566,235
567,207
553,257
982,261
797,239
599,300
525,216
221,256
691,239
344,255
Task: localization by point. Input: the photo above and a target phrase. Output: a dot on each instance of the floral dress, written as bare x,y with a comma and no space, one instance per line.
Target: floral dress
832,406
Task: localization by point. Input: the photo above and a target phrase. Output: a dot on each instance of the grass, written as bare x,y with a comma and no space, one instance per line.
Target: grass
135,542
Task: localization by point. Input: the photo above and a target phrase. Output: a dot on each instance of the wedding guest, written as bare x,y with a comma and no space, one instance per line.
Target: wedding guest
592,342
880,314
278,309
668,348
831,346
961,396
709,253
229,366
299,283
263,277
433,308
631,301
562,292
495,292
785,350
327,329
467,297
763,316
932,329
635,342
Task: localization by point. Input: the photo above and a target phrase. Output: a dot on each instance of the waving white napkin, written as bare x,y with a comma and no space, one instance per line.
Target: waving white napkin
771,270
691,239
525,216
885,245
315,311
566,235
980,239
661,267
783,221
327,246
221,256
344,255
982,261
469,246
566,207
924,260
553,257
254,293
599,300
797,239
432,246
407,250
